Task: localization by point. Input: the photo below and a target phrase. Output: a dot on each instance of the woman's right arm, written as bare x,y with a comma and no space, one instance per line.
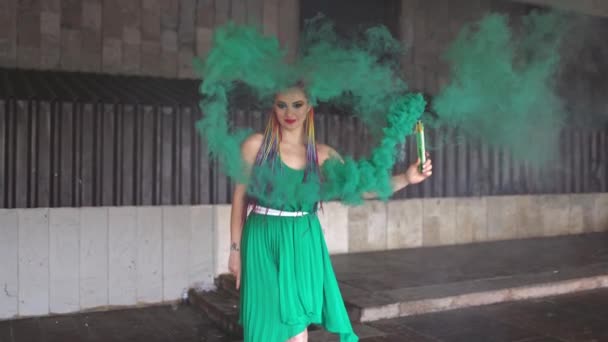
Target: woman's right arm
249,151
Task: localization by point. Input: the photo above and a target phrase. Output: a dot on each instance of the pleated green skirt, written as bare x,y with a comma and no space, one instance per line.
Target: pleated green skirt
288,281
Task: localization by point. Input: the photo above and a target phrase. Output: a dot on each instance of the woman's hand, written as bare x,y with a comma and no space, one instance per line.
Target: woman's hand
413,174
234,265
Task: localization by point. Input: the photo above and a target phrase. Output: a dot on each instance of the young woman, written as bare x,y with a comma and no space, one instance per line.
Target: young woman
278,253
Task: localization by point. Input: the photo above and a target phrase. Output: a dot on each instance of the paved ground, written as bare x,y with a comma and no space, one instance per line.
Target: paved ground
153,324
581,317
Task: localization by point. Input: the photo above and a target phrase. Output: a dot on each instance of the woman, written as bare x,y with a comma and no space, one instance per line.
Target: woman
287,281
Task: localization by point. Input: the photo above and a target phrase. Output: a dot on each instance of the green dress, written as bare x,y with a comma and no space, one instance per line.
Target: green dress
288,281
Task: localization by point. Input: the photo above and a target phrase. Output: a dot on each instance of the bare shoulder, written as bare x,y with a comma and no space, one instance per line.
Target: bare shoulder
325,152
254,140
251,146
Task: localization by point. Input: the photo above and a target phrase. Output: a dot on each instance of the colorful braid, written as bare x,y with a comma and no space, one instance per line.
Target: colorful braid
270,145
312,157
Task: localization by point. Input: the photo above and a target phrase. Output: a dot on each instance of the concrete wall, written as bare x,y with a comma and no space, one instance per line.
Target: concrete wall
148,37
449,221
72,259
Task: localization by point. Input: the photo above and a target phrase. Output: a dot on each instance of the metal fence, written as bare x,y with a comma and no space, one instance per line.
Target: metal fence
123,142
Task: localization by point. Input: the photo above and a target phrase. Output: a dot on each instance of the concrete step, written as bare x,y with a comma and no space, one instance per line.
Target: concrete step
227,283
397,283
366,307
221,307
402,283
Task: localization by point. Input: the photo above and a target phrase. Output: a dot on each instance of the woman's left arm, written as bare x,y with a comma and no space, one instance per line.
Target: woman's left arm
412,175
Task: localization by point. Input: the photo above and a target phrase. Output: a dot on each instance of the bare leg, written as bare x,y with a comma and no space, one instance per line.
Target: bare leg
302,337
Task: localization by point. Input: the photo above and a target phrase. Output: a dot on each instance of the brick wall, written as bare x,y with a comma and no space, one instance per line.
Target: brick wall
137,37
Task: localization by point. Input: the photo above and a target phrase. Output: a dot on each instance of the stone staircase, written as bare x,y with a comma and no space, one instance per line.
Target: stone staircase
221,306
398,283
390,284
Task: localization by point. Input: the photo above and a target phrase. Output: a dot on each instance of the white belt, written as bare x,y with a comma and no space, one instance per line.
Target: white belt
274,212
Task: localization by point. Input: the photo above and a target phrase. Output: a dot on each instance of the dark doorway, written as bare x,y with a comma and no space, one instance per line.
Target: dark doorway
353,15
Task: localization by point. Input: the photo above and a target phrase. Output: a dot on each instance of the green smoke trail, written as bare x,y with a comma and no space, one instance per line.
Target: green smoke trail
359,75
239,55
502,88
348,180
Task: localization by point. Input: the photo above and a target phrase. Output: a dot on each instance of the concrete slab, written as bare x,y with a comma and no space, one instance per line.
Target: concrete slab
222,238
367,224
9,270
149,283
582,208
501,211
334,221
176,250
600,213
201,257
471,220
528,217
64,251
439,221
122,258
33,262
404,224
554,214
93,257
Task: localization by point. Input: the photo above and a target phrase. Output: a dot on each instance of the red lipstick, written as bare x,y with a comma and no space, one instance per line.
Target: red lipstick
290,121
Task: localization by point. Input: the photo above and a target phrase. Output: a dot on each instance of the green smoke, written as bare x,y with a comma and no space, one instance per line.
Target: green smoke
359,75
502,87
348,180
